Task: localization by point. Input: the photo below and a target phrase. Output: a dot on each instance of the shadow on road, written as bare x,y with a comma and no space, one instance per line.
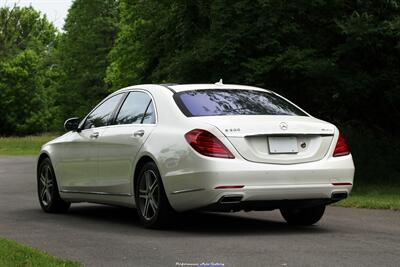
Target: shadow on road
192,222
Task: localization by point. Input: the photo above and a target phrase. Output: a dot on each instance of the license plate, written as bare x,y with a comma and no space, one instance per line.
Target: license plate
282,145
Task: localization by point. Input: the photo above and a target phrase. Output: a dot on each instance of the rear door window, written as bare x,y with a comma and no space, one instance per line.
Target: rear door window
210,102
136,109
150,116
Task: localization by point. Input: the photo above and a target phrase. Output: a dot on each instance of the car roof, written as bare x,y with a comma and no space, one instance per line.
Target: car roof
190,87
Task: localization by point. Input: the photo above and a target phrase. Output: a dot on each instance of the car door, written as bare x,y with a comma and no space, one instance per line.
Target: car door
119,144
79,163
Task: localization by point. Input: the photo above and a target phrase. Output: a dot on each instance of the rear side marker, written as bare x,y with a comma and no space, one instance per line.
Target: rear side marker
337,184
229,187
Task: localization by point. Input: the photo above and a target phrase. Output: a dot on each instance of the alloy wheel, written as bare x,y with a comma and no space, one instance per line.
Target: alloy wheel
46,185
149,194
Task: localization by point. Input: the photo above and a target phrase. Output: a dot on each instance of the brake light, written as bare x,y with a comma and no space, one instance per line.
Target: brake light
341,148
207,144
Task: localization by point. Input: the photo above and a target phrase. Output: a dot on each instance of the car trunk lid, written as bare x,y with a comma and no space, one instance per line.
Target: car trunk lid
275,139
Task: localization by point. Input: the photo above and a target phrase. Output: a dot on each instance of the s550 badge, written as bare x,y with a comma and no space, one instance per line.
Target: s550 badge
233,130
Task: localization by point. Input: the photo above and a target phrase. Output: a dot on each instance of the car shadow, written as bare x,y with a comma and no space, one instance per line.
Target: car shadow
190,222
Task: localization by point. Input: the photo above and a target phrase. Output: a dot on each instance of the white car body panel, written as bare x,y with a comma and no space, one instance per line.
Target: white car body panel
102,170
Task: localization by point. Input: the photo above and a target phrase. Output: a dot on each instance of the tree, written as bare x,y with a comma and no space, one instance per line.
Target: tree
24,28
156,40
82,54
26,42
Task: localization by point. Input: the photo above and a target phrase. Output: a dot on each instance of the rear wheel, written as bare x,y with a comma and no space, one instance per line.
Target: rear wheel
152,204
49,197
303,216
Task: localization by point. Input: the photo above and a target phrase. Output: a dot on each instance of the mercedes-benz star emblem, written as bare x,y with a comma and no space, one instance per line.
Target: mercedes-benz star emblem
283,126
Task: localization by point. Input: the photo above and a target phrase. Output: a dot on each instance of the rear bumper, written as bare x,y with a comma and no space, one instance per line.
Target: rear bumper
232,203
262,184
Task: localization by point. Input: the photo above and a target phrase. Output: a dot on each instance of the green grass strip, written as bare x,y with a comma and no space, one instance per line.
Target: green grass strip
373,197
23,146
14,254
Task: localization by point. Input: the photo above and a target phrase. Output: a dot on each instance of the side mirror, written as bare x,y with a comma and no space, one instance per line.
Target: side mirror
72,124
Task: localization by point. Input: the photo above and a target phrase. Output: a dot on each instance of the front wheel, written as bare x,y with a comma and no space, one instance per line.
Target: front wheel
49,197
303,216
152,204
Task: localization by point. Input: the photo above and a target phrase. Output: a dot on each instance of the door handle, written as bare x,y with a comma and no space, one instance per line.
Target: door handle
139,133
94,135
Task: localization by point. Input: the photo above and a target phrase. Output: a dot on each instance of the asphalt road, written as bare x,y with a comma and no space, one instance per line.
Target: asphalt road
109,236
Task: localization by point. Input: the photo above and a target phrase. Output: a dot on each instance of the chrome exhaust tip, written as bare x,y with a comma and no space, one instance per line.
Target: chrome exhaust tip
231,199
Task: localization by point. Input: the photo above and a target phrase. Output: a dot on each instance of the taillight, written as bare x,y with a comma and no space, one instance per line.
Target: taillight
341,148
207,144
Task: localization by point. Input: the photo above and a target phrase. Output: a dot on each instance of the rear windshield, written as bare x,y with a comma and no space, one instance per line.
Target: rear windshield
219,102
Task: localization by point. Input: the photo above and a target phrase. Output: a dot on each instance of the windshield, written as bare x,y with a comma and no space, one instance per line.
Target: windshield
218,102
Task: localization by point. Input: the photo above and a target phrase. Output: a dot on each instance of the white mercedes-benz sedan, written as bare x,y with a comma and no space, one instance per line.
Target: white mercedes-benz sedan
215,147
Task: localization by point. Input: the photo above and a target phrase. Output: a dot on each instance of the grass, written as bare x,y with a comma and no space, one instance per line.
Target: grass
23,146
14,254
373,197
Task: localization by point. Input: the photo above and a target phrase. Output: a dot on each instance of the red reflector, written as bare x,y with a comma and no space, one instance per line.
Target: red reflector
342,183
341,148
207,144
229,186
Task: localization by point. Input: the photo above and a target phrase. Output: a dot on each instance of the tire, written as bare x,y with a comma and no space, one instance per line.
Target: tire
47,188
152,204
303,216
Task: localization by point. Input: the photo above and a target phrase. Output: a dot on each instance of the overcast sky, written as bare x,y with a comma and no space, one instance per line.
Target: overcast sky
56,10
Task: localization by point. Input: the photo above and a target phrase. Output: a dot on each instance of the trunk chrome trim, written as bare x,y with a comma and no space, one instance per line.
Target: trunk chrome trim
284,134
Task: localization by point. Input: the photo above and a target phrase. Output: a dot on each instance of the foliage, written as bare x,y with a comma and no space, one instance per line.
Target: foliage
155,42
90,29
26,41
24,28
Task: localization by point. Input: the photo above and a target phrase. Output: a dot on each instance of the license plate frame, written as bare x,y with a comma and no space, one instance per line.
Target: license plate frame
282,145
